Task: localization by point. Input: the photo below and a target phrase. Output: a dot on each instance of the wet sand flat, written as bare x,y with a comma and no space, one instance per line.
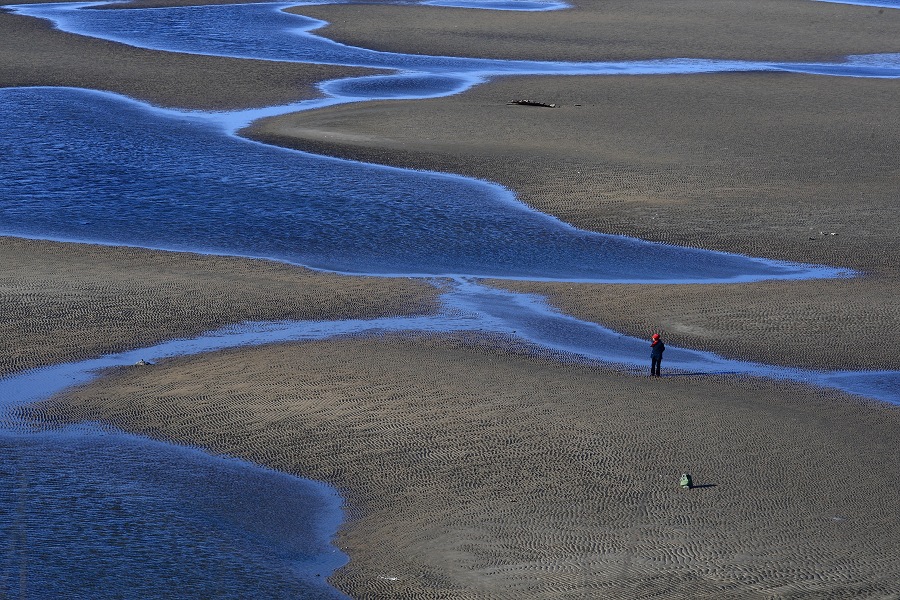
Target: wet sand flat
768,165
66,302
32,53
769,30
789,167
821,324
471,471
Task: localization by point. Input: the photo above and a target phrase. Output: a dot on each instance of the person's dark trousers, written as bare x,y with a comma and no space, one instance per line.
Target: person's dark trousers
654,366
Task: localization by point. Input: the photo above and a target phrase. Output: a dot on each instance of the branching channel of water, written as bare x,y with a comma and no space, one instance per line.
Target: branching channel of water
507,240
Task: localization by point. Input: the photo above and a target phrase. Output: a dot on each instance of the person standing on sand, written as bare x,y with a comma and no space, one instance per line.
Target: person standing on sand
656,351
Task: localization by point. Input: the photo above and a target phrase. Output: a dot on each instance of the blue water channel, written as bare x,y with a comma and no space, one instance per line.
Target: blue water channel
92,166
265,31
90,512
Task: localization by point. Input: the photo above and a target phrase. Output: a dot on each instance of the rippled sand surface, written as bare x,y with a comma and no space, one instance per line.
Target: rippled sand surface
67,302
469,469
472,472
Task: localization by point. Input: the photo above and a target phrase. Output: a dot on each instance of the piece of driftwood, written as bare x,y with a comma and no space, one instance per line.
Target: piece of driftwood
531,103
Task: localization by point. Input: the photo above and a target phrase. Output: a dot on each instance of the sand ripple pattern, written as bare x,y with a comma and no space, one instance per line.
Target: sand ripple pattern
107,299
471,471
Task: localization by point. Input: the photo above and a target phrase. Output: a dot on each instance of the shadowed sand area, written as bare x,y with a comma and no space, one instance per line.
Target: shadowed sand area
32,53
66,302
471,471
785,166
776,30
